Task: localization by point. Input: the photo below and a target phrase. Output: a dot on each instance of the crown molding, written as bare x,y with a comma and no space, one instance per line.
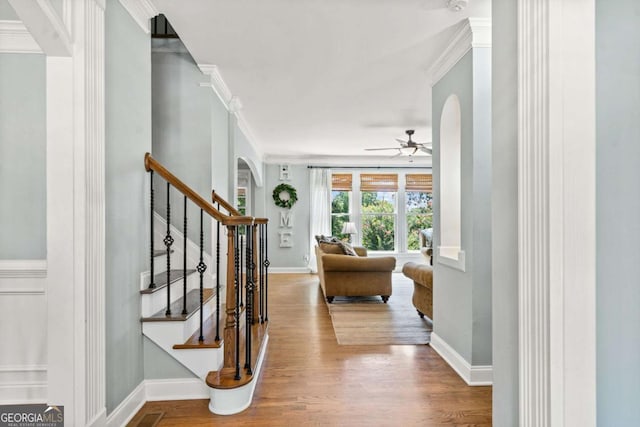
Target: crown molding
217,83
141,11
46,26
232,103
472,33
15,38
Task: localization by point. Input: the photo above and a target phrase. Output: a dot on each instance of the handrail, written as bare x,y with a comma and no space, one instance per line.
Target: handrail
228,206
233,211
152,164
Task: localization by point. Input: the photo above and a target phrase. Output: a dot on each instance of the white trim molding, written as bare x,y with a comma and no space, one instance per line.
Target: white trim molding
473,375
128,408
472,33
141,11
231,103
451,257
23,268
23,384
15,38
45,25
556,212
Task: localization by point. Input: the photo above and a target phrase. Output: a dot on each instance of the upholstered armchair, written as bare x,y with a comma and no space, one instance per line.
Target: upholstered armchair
345,275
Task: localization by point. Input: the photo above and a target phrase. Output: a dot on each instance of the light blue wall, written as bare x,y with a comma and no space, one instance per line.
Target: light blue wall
617,212
7,12
462,300
23,188
452,289
288,257
128,137
182,134
504,198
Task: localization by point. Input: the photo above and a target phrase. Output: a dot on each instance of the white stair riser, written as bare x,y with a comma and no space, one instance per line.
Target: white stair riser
167,334
152,303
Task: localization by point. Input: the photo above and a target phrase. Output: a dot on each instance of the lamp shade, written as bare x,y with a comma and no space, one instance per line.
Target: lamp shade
349,228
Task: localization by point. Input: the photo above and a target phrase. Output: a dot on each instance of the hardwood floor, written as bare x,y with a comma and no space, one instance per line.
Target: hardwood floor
308,379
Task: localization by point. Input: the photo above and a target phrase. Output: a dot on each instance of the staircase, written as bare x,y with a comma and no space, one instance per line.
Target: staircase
218,330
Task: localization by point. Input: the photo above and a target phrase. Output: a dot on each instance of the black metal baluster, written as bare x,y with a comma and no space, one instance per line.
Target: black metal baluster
168,241
218,278
266,274
242,279
249,305
237,308
152,283
202,267
184,260
261,269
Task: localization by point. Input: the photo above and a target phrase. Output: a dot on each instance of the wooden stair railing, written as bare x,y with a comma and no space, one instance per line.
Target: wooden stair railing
242,275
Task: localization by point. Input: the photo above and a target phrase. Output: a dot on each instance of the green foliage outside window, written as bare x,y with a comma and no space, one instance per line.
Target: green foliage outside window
419,216
378,220
339,212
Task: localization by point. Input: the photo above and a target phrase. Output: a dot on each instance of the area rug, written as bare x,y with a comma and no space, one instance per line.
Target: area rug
368,321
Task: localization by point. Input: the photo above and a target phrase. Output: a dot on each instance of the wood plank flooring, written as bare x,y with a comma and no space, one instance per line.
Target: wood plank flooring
310,380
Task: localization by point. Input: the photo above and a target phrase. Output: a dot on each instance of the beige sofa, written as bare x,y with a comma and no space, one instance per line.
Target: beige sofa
344,275
422,276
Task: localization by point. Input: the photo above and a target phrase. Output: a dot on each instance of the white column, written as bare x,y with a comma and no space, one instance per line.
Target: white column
75,220
556,186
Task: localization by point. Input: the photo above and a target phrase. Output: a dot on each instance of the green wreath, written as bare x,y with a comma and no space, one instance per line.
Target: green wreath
285,188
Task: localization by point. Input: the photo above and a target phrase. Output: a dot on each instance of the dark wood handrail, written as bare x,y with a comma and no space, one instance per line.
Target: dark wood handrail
152,164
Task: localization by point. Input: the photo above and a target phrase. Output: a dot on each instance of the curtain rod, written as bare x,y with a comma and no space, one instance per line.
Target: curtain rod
367,167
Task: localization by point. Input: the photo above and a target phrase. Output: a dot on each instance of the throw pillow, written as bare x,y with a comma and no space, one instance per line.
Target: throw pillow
347,249
331,248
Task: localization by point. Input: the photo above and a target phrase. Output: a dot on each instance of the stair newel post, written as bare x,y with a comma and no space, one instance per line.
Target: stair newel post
202,267
230,306
184,260
249,295
218,278
168,241
237,287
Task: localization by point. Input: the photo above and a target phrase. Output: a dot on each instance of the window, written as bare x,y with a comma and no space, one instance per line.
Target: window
341,186
418,207
379,211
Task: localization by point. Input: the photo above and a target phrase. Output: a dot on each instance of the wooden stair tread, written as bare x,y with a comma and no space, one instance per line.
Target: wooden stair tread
193,303
160,280
208,332
224,379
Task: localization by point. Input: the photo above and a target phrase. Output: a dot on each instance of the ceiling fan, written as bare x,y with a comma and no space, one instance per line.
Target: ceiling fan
409,144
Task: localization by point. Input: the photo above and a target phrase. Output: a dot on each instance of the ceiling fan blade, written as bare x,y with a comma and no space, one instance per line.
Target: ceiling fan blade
376,149
401,141
429,151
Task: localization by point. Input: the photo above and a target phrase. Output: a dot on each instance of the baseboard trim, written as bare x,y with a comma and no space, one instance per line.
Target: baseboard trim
286,270
176,389
99,420
130,406
478,375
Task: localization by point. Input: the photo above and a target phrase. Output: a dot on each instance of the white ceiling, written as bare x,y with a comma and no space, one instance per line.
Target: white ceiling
320,78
